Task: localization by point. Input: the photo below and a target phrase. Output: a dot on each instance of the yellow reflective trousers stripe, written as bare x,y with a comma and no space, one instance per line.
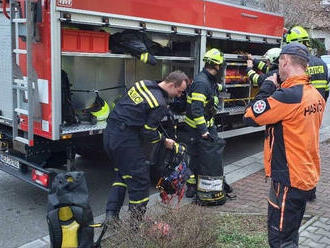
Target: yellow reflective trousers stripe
140,201
120,184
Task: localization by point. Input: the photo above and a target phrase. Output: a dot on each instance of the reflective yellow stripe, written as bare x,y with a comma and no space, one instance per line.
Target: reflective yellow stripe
188,99
250,72
192,179
95,225
199,120
261,65
149,93
176,145
150,128
267,69
255,80
220,87
210,122
189,122
116,169
144,57
126,176
144,95
198,97
319,83
221,196
120,184
141,201
157,140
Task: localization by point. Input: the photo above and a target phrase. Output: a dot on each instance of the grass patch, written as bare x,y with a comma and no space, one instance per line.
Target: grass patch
241,231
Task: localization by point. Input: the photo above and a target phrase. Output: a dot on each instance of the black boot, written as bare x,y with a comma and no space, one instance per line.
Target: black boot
112,219
191,190
137,212
227,187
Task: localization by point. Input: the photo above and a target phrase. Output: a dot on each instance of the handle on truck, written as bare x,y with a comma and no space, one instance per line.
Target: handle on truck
4,8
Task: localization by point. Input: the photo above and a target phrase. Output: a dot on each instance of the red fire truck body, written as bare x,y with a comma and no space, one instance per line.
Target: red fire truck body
49,36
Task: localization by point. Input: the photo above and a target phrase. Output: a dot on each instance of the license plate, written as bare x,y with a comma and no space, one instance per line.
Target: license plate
9,161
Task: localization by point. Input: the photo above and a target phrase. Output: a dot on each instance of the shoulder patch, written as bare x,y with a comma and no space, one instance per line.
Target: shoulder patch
259,107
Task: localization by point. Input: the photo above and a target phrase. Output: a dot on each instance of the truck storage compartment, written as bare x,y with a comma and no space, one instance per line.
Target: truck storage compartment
75,40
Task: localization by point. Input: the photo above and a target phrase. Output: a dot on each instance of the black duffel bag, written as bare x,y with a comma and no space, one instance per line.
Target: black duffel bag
210,180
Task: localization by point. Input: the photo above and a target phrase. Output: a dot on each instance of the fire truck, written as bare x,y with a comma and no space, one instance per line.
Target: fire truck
41,38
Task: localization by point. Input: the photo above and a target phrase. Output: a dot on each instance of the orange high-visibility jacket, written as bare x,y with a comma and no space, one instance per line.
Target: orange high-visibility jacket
293,115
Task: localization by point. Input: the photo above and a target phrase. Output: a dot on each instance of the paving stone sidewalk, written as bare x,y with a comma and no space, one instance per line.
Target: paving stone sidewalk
252,192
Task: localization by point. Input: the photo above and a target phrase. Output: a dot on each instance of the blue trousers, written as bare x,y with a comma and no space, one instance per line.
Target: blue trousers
125,149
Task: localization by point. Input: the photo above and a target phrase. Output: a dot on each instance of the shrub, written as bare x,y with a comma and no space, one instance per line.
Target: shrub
164,227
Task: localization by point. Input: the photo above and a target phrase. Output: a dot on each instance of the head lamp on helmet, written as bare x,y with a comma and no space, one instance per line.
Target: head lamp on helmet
213,56
299,34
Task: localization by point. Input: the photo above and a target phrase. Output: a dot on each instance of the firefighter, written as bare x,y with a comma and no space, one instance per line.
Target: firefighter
134,121
267,68
317,69
291,151
202,100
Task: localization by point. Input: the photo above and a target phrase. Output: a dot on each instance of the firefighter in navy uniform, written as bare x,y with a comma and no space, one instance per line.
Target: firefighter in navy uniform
202,100
133,121
266,69
317,69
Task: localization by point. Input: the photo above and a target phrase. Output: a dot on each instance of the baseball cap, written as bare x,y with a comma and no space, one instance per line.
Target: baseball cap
296,48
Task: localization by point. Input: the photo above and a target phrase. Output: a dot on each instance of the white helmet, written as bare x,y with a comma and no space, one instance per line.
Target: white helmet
272,55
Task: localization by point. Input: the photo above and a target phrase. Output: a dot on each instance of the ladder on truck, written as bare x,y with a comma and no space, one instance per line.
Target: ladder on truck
24,88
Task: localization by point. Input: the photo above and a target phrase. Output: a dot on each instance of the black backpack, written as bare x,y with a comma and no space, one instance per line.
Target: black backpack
69,217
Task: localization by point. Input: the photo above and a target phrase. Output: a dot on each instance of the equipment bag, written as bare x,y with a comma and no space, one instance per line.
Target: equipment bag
68,113
210,183
135,43
69,217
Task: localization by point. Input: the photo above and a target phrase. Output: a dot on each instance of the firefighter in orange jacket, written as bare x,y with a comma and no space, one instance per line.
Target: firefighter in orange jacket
293,114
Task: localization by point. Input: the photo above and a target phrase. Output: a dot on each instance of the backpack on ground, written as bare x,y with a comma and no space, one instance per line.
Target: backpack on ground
69,217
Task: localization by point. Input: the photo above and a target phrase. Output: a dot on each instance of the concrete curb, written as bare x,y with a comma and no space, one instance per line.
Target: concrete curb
308,223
